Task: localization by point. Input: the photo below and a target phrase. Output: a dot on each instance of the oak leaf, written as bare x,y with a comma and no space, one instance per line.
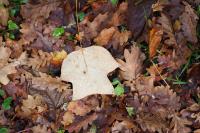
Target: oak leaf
132,68
82,67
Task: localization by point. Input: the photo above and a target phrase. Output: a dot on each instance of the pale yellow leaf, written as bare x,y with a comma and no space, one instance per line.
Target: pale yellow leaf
87,69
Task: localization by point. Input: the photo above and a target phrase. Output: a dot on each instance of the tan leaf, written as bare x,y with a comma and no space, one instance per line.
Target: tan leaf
154,40
5,54
82,67
131,69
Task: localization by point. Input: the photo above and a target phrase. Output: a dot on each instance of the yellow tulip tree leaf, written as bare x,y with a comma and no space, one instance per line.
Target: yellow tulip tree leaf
87,69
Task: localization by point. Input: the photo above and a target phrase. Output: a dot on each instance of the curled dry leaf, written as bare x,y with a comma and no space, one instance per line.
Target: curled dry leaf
131,69
82,67
154,40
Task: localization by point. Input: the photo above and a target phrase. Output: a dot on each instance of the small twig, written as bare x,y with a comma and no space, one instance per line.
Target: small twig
159,73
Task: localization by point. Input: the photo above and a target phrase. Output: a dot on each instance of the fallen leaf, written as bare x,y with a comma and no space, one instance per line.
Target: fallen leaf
189,21
68,118
82,67
154,41
58,57
40,129
83,106
131,69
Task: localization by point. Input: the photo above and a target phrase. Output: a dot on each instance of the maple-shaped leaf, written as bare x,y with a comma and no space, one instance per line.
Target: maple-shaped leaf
87,69
131,69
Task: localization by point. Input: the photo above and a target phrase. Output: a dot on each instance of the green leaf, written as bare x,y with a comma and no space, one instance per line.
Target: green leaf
119,90
114,2
6,103
12,25
14,10
198,10
70,37
2,92
57,32
11,36
81,16
3,130
61,131
115,81
130,110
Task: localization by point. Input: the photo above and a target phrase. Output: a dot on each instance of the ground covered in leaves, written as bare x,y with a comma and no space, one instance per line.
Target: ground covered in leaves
156,86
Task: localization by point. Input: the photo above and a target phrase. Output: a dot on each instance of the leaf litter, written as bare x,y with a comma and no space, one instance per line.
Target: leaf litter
58,58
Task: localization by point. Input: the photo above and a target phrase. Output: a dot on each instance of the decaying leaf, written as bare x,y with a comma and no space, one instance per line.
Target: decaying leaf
68,118
82,67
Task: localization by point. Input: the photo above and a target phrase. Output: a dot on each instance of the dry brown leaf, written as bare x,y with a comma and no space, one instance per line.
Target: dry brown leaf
40,129
105,35
46,81
77,126
189,23
131,69
28,33
5,54
84,106
179,125
39,59
82,67
4,15
68,118
154,40
10,68
167,28
32,105
42,10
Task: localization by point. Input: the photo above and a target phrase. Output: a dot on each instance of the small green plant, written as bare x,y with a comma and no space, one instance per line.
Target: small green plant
70,37
131,111
6,103
176,81
57,32
119,89
19,1
3,130
114,2
93,129
12,25
81,16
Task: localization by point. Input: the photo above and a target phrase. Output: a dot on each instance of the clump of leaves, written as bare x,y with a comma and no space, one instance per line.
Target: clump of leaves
12,26
114,2
119,89
59,31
